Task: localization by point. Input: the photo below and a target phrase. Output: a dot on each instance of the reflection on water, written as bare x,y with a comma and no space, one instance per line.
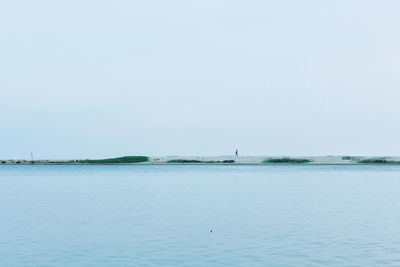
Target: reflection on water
163,216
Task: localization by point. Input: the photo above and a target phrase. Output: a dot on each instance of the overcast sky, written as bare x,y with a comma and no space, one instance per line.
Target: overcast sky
84,79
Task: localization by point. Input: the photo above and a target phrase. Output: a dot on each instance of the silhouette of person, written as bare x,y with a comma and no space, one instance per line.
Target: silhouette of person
237,152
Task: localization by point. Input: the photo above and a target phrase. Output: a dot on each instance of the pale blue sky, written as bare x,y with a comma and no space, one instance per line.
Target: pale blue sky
86,79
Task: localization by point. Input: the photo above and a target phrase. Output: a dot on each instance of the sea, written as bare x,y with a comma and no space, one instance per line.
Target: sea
199,215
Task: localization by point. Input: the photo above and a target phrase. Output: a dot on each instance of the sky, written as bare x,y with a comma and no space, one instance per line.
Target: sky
94,79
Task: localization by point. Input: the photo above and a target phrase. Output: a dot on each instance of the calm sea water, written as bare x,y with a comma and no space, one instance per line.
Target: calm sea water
164,215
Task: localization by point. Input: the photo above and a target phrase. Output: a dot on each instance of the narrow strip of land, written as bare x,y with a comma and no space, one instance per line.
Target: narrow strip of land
219,160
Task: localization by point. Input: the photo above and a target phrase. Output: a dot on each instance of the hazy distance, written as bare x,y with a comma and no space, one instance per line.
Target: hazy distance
92,79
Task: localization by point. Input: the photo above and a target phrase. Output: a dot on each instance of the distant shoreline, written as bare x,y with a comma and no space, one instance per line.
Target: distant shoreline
218,160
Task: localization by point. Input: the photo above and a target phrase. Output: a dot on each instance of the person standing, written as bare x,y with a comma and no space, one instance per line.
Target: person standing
237,154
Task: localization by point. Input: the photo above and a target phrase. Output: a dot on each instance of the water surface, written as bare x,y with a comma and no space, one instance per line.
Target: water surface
163,216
